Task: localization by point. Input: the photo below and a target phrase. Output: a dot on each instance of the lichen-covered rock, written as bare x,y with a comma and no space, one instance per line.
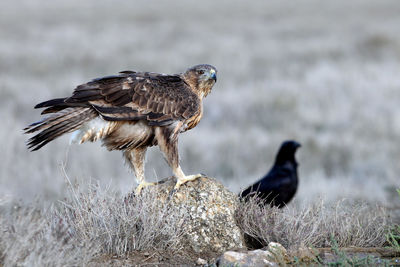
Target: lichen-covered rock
209,208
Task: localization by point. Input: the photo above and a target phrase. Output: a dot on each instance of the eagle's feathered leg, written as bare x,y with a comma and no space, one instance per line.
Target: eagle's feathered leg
135,158
168,142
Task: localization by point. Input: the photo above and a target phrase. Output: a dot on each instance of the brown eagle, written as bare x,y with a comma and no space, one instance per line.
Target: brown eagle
130,112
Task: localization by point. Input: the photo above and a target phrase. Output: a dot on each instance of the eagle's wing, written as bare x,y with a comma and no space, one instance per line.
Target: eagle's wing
159,99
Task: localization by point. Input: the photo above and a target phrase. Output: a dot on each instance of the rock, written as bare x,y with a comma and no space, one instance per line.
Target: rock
210,207
279,253
247,259
232,257
275,255
306,254
201,261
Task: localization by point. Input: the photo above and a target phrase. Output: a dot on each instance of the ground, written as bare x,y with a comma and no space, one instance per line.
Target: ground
324,74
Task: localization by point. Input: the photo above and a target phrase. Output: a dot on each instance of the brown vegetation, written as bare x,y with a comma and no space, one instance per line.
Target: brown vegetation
101,225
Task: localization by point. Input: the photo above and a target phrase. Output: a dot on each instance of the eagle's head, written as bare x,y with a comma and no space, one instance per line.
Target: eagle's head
201,78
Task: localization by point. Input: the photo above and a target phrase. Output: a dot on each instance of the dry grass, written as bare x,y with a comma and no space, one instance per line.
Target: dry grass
88,225
123,225
393,235
30,237
99,225
350,224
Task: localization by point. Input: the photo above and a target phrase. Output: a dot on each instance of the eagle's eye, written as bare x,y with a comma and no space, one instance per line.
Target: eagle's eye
200,72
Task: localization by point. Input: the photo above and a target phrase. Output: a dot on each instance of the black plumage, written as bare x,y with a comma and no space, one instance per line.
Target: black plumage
279,185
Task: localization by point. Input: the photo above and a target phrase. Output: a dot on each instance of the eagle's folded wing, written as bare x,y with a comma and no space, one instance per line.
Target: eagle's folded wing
159,99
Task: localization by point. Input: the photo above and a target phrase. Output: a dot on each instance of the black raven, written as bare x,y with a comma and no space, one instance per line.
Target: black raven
278,187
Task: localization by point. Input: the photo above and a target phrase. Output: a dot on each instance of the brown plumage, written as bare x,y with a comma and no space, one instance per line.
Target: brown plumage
129,112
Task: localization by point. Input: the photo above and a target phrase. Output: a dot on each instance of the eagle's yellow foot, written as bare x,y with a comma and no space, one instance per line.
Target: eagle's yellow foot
141,186
186,179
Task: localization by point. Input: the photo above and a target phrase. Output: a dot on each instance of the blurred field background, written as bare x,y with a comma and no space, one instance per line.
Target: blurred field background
326,74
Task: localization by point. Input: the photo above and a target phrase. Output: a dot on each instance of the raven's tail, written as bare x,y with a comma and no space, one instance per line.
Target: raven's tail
63,120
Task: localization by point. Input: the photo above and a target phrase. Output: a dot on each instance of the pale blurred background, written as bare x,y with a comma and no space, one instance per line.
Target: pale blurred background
326,74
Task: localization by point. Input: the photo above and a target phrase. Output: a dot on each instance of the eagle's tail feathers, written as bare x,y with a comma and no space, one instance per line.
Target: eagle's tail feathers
56,118
52,102
53,109
68,120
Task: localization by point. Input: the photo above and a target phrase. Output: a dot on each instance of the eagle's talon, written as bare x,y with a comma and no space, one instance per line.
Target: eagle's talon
186,179
142,185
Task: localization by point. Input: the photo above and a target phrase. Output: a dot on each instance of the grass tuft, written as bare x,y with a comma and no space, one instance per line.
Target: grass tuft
343,259
123,225
87,225
31,237
393,235
351,224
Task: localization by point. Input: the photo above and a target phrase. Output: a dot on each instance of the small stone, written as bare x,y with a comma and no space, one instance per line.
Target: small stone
233,256
306,254
270,263
253,258
201,261
278,252
273,246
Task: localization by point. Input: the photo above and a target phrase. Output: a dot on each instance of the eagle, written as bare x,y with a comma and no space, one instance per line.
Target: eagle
130,112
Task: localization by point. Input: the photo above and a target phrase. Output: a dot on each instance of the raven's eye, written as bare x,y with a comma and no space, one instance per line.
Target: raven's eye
201,72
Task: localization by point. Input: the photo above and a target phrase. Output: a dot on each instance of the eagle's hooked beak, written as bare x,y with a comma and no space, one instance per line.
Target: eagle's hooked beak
213,75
